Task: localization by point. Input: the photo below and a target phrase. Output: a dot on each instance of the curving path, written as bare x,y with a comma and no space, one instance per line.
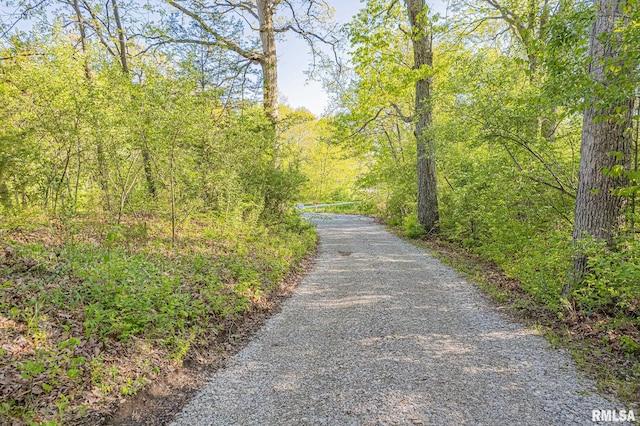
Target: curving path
380,333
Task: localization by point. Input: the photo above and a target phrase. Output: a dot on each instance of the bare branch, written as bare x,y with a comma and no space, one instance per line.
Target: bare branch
399,114
366,123
20,54
97,24
257,57
244,5
23,15
309,36
221,41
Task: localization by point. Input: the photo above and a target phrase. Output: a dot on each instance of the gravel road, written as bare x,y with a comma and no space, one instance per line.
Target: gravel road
380,333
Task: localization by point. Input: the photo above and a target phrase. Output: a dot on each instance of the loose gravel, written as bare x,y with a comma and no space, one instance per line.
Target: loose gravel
381,333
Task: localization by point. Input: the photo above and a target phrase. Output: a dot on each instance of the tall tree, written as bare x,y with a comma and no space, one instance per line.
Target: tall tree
423,61
223,21
122,37
102,175
606,135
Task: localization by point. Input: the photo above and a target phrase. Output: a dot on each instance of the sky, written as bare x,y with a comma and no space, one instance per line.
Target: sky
294,57
293,60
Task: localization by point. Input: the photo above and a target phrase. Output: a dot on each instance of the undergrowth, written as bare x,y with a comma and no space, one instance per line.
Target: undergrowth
90,311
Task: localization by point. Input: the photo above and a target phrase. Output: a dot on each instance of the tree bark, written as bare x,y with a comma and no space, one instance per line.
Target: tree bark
122,38
423,57
83,39
606,139
269,60
5,195
263,11
148,172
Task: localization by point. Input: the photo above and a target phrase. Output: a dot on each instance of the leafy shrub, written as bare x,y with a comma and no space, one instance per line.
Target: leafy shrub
543,273
280,189
411,227
123,287
612,282
127,294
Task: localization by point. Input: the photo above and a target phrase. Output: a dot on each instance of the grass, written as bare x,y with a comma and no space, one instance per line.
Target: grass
90,312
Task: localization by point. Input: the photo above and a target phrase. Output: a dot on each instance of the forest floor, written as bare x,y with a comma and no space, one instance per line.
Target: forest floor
100,321
158,403
379,332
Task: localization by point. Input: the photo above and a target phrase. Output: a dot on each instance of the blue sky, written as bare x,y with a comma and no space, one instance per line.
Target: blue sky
293,60
294,57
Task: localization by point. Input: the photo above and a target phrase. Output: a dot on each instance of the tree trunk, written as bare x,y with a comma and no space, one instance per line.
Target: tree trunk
606,139
423,57
148,172
122,39
5,195
264,11
269,60
83,39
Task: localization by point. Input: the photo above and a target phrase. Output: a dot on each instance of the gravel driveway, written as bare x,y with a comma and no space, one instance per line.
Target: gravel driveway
380,333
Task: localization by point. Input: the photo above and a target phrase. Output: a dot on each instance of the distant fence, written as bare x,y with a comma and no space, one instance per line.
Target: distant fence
319,206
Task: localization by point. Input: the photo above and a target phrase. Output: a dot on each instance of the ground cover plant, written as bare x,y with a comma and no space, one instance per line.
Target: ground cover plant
147,171
91,312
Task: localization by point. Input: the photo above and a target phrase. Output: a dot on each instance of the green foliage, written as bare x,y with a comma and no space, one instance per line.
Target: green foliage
130,289
411,227
612,283
166,199
125,294
330,169
543,273
115,160
504,124
280,189
111,146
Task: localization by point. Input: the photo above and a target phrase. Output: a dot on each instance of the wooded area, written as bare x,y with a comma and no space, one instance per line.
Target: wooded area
526,114
147,170
509,85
